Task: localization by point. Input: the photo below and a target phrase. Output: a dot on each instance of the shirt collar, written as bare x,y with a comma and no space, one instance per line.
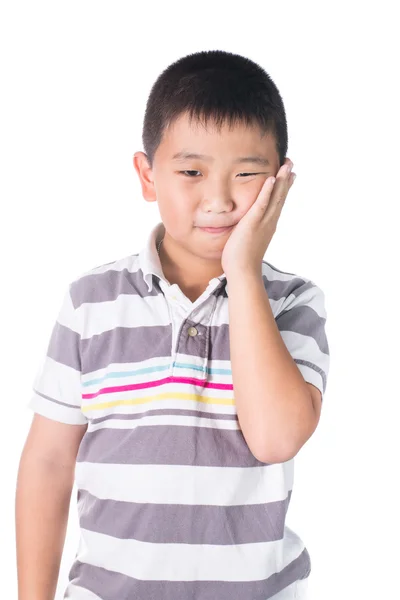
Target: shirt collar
149,261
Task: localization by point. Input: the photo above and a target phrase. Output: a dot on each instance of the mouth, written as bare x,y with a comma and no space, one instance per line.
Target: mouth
216,229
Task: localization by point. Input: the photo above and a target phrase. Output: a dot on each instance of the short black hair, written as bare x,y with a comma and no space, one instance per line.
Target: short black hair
219,86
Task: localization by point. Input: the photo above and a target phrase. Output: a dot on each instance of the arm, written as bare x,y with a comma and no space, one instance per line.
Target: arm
274,404
272,372
44,486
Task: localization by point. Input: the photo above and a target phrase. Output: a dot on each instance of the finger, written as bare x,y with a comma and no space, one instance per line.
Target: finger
264,197
271,194
278,198
285,173
281,188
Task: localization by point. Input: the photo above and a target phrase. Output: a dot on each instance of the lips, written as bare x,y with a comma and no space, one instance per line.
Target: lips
216,230
217,226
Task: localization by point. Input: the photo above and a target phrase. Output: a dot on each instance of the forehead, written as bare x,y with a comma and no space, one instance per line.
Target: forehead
184,136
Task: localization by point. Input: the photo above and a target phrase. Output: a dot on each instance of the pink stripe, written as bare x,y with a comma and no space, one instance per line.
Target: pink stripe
151,384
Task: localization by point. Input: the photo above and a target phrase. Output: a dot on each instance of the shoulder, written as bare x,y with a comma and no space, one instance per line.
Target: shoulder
292,292
102,282
282,284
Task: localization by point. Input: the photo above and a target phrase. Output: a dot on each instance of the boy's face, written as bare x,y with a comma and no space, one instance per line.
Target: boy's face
213,191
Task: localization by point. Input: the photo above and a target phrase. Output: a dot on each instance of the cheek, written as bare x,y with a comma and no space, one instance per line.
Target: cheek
175,213
246,202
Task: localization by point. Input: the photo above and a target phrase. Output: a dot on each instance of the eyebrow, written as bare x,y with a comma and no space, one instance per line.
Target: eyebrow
259,160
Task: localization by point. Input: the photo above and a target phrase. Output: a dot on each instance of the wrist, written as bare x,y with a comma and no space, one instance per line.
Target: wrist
249,274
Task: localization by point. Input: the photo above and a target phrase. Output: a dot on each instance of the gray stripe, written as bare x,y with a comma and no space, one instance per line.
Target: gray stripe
128,344
165,411
182,523
135,344
107,286
315,368
167,445
64,346
110,585
56,401
74,592
124,345
276,288
304,320
280,290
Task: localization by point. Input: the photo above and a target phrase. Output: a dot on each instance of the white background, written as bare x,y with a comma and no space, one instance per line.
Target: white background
75,77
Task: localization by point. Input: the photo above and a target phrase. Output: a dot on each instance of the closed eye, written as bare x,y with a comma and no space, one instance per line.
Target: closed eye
194,171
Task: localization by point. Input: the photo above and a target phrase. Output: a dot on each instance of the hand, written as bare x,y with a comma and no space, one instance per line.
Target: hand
251,237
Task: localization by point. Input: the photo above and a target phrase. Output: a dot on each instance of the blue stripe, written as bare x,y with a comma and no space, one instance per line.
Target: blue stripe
118,374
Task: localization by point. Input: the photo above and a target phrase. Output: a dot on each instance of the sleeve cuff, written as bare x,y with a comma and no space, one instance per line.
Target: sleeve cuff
58,411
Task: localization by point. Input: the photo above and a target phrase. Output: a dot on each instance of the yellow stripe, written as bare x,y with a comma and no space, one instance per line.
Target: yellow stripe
166,396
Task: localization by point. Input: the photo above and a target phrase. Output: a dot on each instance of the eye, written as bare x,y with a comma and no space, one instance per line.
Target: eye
193,171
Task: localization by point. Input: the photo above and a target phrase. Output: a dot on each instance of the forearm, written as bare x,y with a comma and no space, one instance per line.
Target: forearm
41,510
272,399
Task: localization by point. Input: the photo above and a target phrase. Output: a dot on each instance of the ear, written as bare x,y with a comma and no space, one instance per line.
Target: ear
145,173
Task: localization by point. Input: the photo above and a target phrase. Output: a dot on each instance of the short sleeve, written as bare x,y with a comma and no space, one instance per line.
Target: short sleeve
302,324
57,385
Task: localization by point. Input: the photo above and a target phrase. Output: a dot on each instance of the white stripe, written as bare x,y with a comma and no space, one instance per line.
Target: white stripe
174,389
57,412
313,297
153,404
48,377
305,347
67,315
157,361
185,484
130,310
131,263
162,361
189,562
181,420
312,376
272,275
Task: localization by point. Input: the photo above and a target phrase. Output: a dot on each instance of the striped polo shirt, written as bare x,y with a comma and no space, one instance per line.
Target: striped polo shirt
172,504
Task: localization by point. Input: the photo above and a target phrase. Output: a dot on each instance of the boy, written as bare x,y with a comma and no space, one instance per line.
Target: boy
180,382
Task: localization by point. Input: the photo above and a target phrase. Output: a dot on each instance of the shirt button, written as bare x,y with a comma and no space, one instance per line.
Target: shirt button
192,331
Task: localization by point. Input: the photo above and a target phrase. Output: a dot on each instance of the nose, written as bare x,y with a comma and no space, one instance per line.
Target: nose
218,199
